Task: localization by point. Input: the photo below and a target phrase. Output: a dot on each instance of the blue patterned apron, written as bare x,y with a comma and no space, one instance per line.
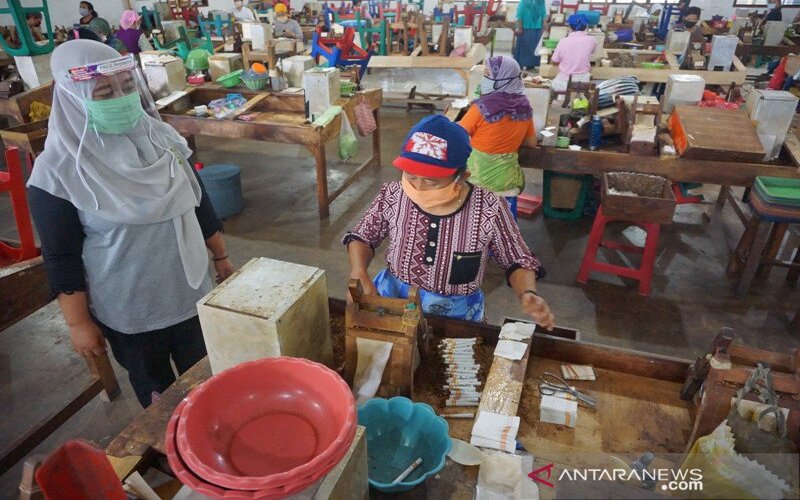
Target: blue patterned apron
466,307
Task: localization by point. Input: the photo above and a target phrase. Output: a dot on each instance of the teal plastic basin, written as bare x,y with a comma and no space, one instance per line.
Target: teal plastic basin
398,432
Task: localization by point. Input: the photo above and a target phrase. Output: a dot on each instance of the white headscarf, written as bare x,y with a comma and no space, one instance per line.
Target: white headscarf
139,177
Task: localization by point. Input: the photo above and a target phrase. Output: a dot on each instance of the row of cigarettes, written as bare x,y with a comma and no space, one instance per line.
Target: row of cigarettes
461,372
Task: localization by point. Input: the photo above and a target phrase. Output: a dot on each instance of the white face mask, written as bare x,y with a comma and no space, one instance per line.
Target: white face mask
238,5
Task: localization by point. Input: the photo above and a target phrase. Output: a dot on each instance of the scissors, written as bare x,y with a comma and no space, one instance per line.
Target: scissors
550,384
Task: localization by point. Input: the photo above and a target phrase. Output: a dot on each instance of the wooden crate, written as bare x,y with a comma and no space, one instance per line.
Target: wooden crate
654,200
28,138
715,134
381,318
267,308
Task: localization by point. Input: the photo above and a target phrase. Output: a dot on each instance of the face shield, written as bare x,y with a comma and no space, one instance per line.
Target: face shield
115,88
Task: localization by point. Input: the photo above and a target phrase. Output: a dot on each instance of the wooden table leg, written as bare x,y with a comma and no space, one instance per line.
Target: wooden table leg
722,196
774,242
322,180
793,274
100,366
739,255
376,139
754,256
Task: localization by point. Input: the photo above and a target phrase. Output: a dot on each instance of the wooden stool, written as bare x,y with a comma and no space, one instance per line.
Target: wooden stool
759,245
13,182
643,274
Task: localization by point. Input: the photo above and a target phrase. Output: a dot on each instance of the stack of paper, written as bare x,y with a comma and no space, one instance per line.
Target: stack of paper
493,430
578,372
556,410
510,349
517,331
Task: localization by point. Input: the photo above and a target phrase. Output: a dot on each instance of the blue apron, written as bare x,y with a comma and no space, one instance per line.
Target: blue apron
466,307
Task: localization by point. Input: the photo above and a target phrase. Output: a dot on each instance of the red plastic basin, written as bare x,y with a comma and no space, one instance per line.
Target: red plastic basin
187,477
267,424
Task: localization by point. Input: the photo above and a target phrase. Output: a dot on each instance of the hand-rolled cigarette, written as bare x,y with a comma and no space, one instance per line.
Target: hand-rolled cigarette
461,403
408,470
460,387
454,340
459,415
463,397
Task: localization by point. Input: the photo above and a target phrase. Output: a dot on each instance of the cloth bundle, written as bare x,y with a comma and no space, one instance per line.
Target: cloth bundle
610,89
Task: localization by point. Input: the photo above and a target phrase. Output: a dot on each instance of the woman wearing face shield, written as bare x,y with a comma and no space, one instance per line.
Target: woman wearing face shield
123,220
498,123
241,13
441,230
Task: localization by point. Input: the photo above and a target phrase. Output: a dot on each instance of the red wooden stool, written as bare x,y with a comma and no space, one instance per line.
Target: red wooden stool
13,182
643,274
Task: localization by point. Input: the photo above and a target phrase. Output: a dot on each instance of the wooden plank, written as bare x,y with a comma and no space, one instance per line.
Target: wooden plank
658,75
147,429
674,168
19,448
23,290
792,147
18,106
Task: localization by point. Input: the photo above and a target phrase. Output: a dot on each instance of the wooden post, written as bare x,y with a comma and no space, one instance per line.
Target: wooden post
376,139
100,366
318,151
754,256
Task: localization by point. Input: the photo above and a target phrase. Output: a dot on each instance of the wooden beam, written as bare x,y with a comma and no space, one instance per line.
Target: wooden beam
674,168
23,445
23,290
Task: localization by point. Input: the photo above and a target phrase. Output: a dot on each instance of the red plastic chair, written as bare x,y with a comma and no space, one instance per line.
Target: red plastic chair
643,274
12,181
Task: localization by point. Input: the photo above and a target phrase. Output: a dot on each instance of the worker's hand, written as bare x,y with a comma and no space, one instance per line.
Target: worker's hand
367,285
87,339
538,309
224,269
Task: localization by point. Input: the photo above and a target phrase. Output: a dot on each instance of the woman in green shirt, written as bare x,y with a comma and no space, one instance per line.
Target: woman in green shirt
531,16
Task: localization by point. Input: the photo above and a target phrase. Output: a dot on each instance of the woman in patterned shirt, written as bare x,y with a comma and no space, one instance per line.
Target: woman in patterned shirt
442,230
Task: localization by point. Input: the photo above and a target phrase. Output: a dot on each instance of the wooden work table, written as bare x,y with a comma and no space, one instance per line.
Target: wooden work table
18,106
655,75
672,167
637,393
279,117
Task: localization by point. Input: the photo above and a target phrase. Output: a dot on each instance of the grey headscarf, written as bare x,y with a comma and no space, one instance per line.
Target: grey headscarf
139,177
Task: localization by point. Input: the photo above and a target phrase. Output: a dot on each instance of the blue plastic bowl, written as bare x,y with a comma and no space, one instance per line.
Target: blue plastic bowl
398,432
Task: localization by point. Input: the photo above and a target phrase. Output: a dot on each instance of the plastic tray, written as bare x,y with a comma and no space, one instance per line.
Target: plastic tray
778,190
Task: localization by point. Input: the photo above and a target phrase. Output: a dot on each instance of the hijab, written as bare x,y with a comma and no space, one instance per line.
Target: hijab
137,177
503,93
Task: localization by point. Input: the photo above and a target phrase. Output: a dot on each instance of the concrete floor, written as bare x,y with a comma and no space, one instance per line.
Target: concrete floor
690,302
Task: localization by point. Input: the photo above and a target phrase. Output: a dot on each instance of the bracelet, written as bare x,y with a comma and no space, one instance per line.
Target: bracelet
531,291
217,259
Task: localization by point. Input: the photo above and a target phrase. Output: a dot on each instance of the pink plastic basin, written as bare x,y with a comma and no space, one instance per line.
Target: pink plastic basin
266,424
187,477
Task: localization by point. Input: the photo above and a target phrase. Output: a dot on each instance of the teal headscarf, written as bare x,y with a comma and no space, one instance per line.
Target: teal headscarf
531,14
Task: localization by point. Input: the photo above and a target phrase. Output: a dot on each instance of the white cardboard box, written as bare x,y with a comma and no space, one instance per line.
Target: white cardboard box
267,308
772,112
223,63
558,32
600,37
683,89
723,50
322,88
677,42
34,70
170,29
293,68
164,78
539,98
774,32
463,36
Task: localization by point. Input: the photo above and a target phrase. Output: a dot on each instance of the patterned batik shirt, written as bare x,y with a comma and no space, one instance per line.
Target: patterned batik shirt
444,254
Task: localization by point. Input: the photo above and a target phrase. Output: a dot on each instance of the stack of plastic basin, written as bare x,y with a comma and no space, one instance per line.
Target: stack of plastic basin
264,429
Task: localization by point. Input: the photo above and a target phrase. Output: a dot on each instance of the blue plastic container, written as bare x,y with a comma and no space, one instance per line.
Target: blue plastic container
398,432
223,183
592,16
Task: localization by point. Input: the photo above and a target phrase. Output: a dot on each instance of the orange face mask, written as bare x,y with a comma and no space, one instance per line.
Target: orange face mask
431,199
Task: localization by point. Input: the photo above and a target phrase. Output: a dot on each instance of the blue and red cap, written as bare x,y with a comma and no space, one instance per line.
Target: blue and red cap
434,147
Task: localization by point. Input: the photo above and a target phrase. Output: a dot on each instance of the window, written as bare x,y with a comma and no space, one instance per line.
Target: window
762,4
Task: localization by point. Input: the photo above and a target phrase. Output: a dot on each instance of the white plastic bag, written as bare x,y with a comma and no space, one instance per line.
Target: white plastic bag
348,143
538,50
372,358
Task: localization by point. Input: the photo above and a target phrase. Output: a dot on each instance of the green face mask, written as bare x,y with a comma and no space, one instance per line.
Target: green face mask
116,115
